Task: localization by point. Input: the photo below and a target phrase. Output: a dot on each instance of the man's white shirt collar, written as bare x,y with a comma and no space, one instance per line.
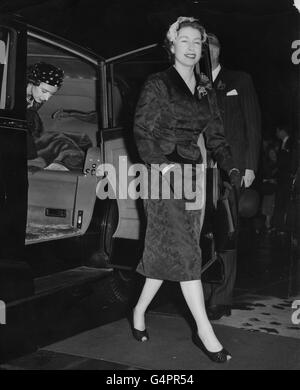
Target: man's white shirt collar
215,72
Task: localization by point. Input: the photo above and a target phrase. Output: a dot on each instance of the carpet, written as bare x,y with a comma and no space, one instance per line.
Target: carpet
170,347
265,314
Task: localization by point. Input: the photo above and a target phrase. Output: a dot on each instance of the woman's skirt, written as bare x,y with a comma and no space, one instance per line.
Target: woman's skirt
172,251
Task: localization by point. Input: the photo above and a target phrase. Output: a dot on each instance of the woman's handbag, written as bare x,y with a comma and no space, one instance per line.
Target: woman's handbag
213,271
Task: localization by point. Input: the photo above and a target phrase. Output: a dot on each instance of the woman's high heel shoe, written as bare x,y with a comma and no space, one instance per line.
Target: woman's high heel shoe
217,357
139,335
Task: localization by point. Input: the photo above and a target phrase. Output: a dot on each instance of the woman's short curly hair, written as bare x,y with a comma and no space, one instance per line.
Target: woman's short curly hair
182,21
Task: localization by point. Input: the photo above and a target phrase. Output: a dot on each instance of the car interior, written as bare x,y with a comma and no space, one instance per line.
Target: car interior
70,126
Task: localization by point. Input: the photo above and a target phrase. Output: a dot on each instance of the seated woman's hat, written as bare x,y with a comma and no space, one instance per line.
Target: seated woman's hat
42,72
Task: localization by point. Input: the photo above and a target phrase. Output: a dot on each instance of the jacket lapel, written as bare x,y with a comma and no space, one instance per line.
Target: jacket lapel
178,81
219,83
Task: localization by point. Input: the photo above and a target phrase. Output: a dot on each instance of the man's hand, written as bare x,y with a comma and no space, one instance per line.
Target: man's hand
235,178
248,178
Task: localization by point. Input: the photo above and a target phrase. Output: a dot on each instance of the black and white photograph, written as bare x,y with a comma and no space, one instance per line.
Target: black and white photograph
149,187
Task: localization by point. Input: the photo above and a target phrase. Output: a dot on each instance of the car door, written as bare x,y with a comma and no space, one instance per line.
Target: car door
125,76
62,192
13,169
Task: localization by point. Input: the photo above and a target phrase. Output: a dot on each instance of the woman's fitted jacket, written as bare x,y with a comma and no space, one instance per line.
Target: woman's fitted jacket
169,120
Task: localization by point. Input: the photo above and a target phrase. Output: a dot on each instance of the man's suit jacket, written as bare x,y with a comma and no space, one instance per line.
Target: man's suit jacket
240,111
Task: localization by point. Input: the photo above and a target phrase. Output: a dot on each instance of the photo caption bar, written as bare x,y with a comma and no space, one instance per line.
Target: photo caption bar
153,379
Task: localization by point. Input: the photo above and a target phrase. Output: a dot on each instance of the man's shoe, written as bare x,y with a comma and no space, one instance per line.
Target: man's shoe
216,312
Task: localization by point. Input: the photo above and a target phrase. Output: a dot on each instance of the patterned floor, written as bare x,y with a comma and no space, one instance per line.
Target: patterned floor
266,314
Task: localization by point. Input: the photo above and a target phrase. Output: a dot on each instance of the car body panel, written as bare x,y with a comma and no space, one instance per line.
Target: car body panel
116,154
13,168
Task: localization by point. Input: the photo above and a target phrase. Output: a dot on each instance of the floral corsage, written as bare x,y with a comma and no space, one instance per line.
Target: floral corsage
203,86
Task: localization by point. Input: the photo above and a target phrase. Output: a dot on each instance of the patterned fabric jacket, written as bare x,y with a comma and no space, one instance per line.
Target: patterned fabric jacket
169,120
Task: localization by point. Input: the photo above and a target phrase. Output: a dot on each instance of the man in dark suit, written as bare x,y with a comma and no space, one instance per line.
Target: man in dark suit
238,104
285,165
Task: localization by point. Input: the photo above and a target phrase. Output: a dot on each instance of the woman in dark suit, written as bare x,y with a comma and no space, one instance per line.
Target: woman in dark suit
173,110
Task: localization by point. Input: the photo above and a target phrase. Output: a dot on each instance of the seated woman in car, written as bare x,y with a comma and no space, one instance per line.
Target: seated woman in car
43,81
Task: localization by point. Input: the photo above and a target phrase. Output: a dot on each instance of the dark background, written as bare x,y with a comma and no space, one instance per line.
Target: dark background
256,36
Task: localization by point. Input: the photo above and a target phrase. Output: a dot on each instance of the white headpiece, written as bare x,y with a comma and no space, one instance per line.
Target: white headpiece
173,29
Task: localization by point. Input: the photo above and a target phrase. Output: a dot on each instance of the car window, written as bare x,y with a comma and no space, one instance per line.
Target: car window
128,75
69,118
7,68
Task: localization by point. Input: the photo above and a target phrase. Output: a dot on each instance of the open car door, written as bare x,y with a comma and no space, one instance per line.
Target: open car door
126,75
62,179
13,172
15,276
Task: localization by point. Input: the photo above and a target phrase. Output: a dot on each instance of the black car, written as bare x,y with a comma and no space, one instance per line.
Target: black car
58,208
